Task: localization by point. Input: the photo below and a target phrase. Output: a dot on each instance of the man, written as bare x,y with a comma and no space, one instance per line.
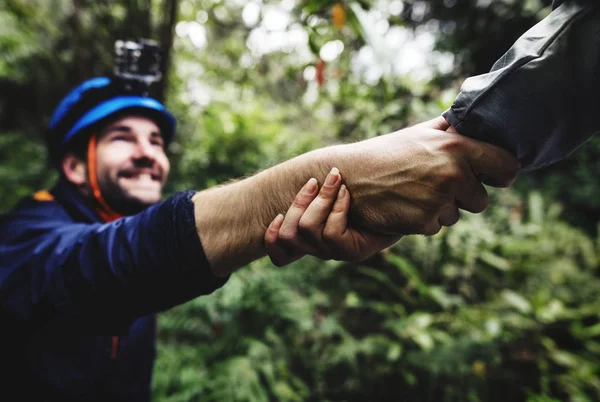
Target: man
85,266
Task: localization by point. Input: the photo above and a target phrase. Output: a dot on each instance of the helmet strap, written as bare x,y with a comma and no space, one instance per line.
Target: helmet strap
106,213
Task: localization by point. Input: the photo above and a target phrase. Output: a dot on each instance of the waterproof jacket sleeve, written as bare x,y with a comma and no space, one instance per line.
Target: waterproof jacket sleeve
100,277
541,100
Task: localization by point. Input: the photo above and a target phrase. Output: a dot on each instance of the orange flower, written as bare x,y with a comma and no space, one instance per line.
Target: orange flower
338,14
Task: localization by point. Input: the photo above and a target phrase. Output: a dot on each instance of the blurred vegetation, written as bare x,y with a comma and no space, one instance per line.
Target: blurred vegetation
502,306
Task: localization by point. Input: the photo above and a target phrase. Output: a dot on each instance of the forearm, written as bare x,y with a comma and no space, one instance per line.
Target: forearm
232,219
399,184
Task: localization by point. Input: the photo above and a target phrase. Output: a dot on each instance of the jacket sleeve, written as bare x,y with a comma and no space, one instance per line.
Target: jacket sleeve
100,277
540,100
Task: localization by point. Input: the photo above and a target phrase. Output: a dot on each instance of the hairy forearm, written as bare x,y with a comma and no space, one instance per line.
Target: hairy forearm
399,184
231,219
383,176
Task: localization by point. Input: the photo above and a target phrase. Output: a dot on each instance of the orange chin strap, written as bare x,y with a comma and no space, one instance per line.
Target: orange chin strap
106,213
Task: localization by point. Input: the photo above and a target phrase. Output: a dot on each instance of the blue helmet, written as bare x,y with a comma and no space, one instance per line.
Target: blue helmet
95,100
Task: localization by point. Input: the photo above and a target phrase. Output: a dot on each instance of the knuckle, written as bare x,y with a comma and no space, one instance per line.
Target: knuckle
456,218
299,202
452,173
326,193
310,235
437,207
338,208
329,234
452,142
286,237
451,220
430,228
306,224
481,204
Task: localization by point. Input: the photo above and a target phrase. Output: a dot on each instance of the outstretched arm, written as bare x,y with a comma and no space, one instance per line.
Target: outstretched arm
411,181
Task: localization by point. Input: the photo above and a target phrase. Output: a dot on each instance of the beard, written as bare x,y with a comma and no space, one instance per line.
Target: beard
120,199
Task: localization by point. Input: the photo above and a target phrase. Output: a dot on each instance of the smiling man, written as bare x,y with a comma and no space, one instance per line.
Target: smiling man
85,266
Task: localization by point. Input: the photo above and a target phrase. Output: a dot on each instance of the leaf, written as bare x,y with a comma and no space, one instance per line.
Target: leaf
517,301
536,208
394,352
565,359
315,48
495,260
424,340
444,299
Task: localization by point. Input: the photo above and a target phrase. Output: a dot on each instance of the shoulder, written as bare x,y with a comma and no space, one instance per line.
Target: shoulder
38,212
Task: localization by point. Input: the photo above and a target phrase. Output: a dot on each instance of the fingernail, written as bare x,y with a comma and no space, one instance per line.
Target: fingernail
311,186
342,192
332,177
276,224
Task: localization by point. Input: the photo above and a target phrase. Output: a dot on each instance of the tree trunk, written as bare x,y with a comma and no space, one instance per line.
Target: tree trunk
79,55
167,35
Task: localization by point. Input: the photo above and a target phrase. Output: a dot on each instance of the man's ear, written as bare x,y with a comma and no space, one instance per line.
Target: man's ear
74,169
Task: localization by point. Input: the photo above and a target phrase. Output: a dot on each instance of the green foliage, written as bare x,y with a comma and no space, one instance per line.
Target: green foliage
502,306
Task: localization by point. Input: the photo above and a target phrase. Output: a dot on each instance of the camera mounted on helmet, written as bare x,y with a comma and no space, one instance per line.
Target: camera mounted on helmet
138,64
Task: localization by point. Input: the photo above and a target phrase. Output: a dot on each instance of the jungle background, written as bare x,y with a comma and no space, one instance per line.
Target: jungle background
503,306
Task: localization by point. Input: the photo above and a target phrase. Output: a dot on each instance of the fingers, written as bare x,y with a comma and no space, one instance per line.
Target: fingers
314,219
337,221
452,130
288,233
471,195
432,228
278,254
335,231
449,215
437,123
348,244
492,164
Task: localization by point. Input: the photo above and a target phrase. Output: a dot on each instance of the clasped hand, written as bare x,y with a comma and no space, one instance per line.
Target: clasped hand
421,178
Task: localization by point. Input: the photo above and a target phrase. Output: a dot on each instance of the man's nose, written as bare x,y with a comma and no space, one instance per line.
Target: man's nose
145,150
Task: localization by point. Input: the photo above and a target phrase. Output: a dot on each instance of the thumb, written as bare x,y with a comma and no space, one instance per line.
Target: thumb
437,123
452,130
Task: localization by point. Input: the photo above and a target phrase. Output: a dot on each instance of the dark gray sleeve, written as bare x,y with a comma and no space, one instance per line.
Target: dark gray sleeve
541,100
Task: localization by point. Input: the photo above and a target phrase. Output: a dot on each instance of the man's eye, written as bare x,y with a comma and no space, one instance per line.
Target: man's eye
158,143
120,138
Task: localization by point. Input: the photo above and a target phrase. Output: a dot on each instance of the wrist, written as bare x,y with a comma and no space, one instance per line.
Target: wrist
231,219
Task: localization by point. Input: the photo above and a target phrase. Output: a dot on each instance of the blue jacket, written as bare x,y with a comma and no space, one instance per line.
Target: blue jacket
78,297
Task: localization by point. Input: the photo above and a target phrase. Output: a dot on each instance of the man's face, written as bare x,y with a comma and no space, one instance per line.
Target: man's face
132,166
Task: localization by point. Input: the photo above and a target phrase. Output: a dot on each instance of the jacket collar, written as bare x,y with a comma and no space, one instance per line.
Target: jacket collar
80,209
